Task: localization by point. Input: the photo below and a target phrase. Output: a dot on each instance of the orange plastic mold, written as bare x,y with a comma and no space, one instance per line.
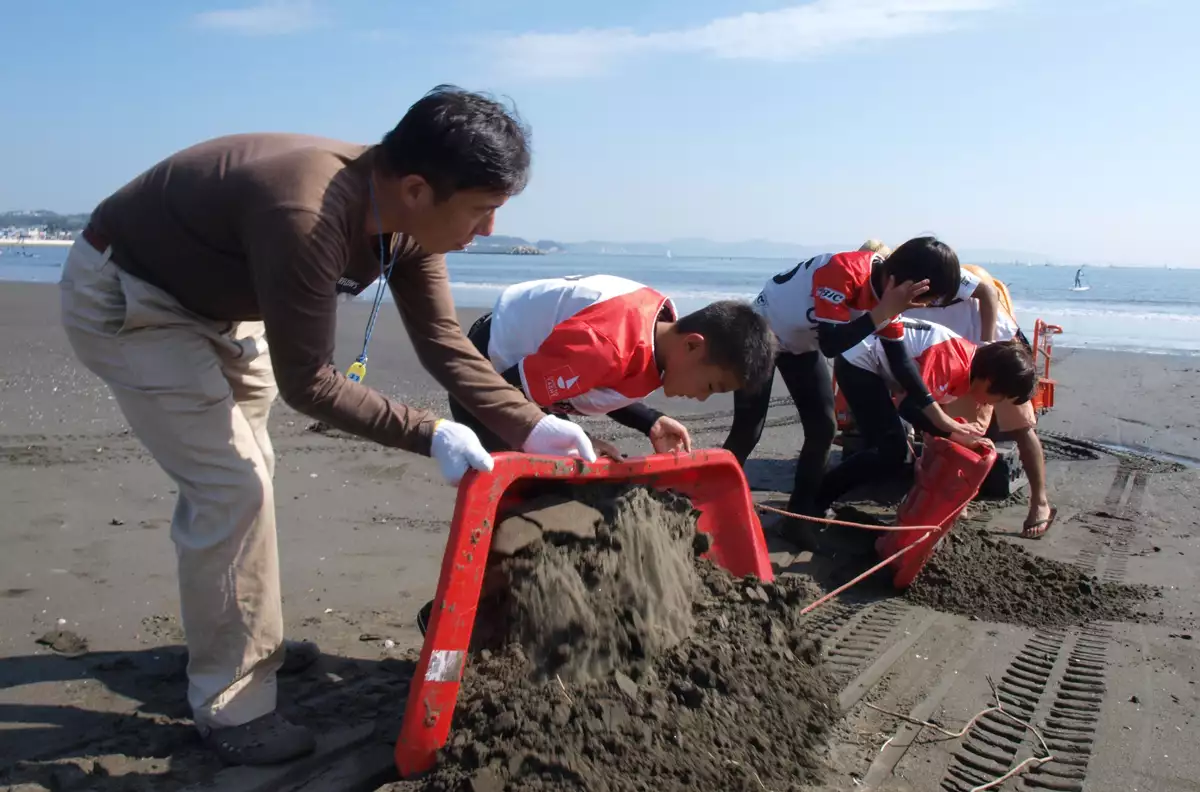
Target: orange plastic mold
948,477
712,479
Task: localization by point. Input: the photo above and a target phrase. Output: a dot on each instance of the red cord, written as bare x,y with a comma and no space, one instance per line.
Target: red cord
814,605
929,529
846,523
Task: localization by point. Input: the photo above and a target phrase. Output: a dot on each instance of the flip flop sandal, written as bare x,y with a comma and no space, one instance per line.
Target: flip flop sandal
1028,528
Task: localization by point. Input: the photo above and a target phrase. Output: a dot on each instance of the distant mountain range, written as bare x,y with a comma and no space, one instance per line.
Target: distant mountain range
707,248
35,218
688,246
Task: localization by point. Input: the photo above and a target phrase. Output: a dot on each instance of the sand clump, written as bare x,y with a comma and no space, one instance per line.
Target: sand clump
582,609
681,676
976,575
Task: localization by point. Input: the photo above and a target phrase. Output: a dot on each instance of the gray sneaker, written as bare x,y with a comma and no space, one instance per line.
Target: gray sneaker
263,741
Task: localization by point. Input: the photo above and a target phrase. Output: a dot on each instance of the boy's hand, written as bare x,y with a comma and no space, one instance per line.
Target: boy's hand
605,448
898,298
974,442
669,435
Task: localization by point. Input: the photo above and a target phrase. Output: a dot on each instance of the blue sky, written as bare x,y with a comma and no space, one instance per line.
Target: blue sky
1064,127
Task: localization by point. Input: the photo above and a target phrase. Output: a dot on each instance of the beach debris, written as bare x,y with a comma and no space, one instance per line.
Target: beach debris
64,642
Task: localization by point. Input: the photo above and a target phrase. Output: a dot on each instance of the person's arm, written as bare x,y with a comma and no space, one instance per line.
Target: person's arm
834,338
420,285
833,287
637,416
295,258
918,406
1033,460
989,310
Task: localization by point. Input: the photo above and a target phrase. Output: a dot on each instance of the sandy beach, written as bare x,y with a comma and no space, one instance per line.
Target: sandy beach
86,550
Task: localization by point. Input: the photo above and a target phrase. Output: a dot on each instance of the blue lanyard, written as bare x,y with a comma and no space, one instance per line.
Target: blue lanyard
385,272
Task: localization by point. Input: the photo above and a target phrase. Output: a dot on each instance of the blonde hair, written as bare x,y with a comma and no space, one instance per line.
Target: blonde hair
875,246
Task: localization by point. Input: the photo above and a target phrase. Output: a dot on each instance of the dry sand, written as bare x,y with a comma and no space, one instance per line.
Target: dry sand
361,535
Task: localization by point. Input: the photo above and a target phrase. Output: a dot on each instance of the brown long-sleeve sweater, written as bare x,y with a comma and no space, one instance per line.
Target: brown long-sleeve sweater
272,227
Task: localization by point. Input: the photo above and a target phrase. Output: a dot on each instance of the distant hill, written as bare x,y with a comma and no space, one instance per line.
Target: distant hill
43,217
686,246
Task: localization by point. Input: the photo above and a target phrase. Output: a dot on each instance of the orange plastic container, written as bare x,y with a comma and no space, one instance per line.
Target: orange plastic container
711,478
948,476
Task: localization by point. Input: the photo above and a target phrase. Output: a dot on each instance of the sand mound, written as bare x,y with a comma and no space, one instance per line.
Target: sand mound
697,680
976,575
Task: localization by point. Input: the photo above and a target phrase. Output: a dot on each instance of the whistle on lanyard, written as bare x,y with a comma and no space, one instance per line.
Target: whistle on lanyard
357,371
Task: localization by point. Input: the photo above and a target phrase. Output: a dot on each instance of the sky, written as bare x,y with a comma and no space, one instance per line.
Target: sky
1067,128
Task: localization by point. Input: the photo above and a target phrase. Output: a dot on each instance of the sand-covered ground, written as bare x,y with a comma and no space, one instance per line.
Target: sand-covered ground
86,550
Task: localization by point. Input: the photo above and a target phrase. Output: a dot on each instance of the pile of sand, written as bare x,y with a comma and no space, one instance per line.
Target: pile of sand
976,575
681,677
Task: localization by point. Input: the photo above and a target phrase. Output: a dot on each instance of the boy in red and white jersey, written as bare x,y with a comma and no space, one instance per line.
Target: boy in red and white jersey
966,317
819,309
969,381
599,344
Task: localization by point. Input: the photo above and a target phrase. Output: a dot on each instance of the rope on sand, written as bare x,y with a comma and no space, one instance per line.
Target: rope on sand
929,529
1033,761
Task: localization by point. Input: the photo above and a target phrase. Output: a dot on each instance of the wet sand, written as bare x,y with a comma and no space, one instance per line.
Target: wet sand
86,545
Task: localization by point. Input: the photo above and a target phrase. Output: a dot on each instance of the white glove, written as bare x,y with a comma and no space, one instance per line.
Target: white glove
456,449
553,436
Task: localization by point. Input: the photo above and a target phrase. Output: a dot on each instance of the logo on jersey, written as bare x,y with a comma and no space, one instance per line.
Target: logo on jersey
830,295
560,382
348,286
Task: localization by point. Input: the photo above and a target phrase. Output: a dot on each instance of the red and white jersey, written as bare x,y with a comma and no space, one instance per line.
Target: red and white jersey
943,358
583,343
831,287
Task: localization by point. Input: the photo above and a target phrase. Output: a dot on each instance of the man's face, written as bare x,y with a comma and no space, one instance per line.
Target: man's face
692,376
451,224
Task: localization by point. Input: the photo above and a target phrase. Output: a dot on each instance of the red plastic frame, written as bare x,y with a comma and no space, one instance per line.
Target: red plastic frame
711,478
948,477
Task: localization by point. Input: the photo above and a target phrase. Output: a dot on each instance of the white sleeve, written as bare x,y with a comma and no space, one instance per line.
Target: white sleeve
968,282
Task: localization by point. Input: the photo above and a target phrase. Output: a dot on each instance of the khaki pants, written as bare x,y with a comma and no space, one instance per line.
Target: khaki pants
197,394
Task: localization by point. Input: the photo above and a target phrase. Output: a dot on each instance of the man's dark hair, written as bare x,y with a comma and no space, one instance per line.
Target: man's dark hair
459,140
738,339
924,258
1008,368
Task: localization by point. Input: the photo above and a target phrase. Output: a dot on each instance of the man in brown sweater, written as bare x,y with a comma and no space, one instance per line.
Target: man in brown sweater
209,284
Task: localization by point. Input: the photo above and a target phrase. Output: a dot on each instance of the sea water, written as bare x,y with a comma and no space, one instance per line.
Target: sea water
1126,308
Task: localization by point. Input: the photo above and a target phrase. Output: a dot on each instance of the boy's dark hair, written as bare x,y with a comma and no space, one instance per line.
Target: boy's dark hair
459,140
924,258
1008,368
738,339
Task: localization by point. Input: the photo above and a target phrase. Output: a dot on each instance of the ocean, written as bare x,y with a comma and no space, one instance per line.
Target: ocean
1125,308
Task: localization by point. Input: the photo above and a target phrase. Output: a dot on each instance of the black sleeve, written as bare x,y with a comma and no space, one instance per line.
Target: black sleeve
636,416
912,411
834,339
904,370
